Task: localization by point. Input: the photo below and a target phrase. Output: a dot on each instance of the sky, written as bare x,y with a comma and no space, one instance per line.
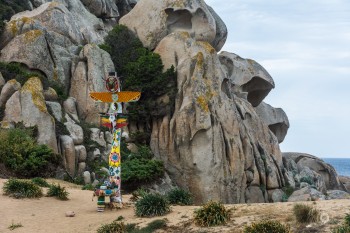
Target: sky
305,47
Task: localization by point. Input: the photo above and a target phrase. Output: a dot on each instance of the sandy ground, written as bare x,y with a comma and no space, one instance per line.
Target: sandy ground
47,214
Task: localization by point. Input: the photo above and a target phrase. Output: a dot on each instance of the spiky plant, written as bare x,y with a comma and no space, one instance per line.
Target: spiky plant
58,192
152,205
22,189
212,214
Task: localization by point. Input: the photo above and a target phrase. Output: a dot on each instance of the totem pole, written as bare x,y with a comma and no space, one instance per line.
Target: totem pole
115,120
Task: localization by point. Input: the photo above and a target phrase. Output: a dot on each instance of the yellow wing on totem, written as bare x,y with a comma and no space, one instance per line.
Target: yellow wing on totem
123,96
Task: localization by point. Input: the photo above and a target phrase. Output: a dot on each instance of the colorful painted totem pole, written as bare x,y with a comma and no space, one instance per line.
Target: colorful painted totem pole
115,120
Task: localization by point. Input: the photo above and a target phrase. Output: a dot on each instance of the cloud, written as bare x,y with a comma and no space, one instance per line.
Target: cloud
305,46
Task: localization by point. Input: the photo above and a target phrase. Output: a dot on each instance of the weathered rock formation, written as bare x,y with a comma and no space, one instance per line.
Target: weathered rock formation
305,166
153,20
275,118
28,105
214,144
221,141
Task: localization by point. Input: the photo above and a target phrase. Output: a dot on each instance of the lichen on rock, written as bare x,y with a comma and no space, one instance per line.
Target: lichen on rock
35,88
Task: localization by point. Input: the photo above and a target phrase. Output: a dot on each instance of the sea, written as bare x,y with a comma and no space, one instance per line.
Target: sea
341,165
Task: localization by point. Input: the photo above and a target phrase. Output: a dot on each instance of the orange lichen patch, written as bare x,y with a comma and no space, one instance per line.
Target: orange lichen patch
13,27
35,88
200,61
13,24
177,4
206,46
203,103
32,35
26,20
13,82
55,74
123,96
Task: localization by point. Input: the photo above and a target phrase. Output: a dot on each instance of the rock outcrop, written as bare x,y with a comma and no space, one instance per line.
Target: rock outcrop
153,20
28,105
214,144
275,118
48,38
246,78
88,74
314,170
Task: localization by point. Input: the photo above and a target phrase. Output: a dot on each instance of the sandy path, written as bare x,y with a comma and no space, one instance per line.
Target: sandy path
47,214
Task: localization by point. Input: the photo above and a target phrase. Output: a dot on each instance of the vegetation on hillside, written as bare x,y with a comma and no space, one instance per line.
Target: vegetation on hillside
22,189
141,70
20,153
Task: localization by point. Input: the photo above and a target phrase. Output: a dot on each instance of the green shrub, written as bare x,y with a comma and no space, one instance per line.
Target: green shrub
114,227
142,70
179,196
40,182
58,192
152,205
143,151
21,73
88,187
139,193
305,214
347,220
20,152
22,189
267,226
211,214
341,229
287,193
140,171
345,227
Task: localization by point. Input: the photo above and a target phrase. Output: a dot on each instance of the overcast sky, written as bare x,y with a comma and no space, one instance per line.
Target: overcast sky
305,46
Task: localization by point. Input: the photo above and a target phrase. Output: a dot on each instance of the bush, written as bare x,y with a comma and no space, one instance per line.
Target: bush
341,229
179,196
287,193
88,187
305,214
58,192
40,182
20,152
211,214
22,189
347,220
152,205
139,193
141,69
139,171
345,227
267,226
143,152
21,73
114,227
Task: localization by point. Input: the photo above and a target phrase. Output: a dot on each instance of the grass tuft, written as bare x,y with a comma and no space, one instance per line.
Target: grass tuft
305,213
179,196
40,182
152,205
267,226
58,192
212,214
14,226
22,189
